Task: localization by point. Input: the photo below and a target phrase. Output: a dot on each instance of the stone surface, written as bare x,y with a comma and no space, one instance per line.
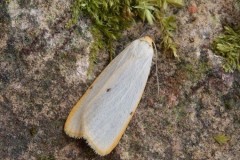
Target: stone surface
43,72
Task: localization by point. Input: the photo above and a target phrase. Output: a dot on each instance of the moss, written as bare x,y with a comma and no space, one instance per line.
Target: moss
221,138
227,45
194,72
95,48
111,17
45,157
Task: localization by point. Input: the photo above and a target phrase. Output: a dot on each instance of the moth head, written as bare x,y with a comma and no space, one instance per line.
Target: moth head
148,39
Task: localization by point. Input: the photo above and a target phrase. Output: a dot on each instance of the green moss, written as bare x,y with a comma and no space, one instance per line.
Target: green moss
95,48
111,17
227,45
221,138
194,72
45,157
7,1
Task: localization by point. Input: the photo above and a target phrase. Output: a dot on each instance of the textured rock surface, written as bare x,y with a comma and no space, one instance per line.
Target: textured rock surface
43,72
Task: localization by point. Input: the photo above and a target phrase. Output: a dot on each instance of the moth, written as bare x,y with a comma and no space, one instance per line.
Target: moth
103,113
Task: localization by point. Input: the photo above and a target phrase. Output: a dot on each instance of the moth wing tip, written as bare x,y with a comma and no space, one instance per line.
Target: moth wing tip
97,149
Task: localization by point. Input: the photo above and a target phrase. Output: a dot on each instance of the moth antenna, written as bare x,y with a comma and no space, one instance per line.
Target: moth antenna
155,50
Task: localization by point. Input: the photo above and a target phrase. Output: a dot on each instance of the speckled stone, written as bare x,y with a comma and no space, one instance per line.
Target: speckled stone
43,72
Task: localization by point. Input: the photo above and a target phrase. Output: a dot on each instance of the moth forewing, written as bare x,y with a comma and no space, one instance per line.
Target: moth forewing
102,114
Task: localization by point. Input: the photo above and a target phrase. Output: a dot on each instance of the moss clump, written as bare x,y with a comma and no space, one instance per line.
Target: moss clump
221,138
111,17
45,157
195,72
228,46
